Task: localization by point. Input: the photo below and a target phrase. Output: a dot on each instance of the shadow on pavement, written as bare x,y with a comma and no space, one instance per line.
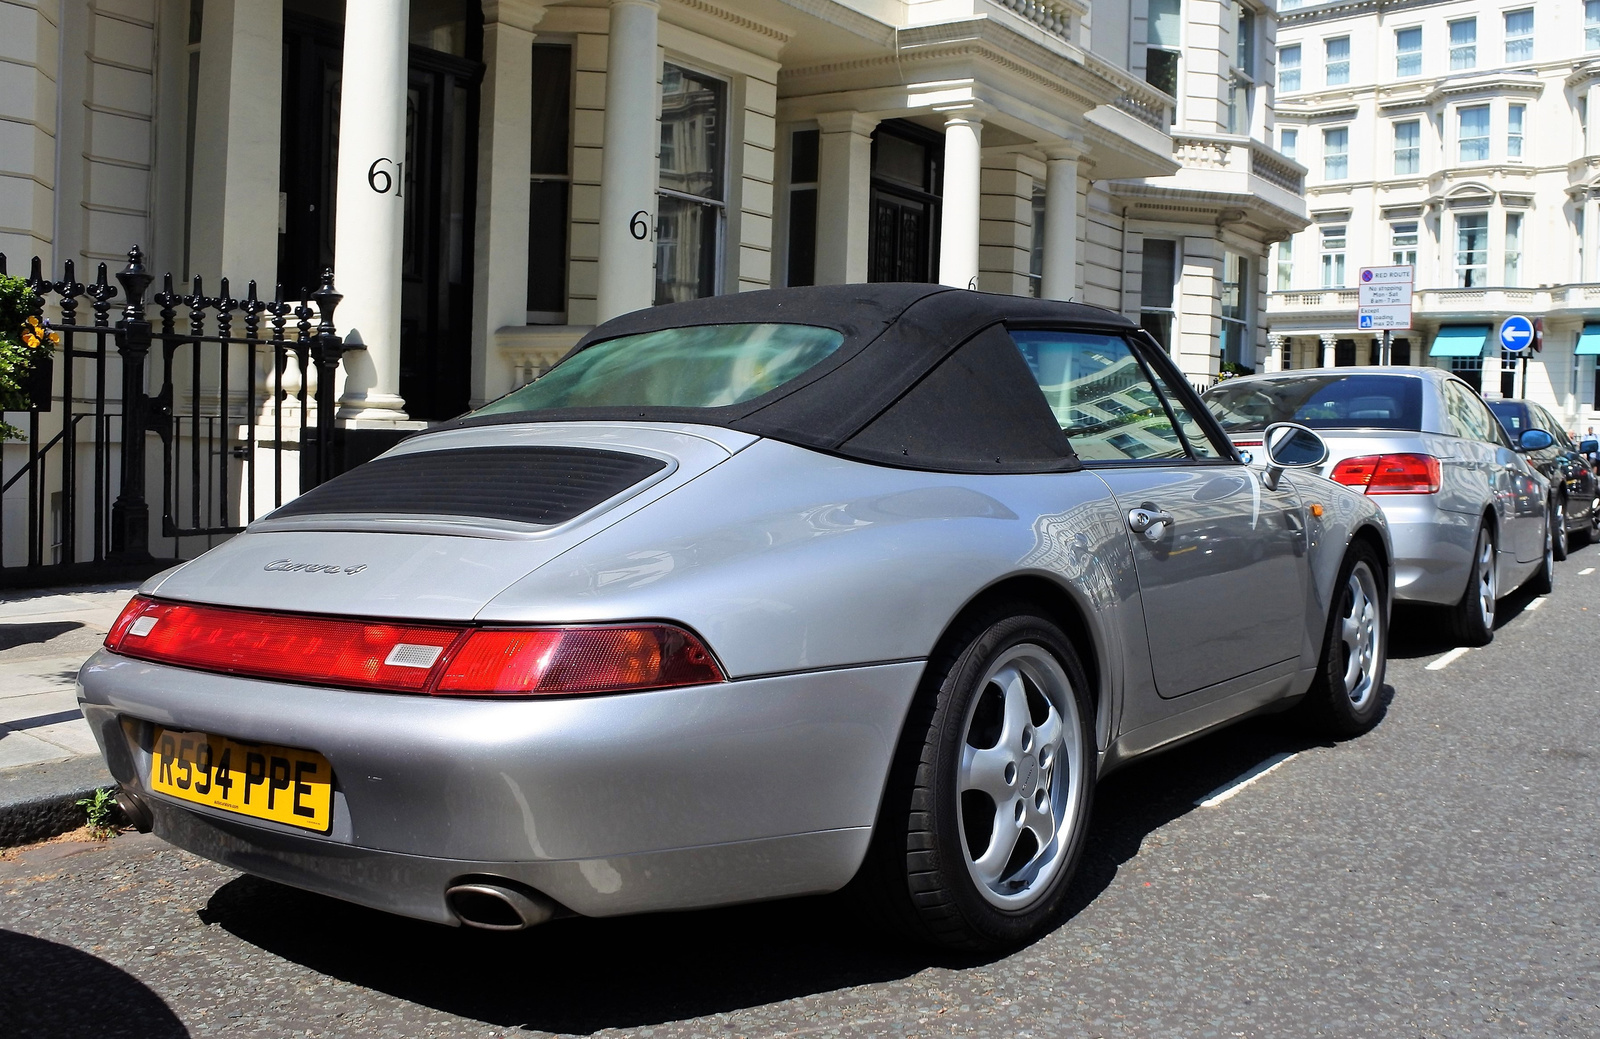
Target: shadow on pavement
581,976
14,635
50,990
1424,631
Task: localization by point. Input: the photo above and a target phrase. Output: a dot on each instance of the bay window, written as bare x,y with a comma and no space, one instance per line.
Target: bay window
1472,133
1472,250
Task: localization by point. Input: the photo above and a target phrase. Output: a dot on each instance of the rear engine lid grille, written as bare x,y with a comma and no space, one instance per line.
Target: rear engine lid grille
537,486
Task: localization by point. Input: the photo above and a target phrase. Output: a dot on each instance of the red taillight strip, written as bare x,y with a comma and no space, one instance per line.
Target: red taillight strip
444,661
1389,474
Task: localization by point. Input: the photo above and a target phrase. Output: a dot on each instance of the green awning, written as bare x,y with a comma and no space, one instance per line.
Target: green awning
1460,341
1589,342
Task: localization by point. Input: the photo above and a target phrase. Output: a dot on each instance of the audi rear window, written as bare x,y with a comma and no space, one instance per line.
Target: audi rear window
1321,401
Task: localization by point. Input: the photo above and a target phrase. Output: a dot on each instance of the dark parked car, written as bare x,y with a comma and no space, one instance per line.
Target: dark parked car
1571,474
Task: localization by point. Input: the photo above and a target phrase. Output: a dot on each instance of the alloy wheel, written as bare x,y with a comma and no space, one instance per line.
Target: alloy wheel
1017,783
1488,591
1361,634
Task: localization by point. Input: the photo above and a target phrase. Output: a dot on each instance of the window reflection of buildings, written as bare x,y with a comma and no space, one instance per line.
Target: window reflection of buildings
688,225
1115,405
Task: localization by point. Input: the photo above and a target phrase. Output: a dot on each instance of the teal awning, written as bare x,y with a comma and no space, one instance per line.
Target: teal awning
1589,342
1460,341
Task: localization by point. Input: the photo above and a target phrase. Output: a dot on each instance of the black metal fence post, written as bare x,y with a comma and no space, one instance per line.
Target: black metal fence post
130,513
327,351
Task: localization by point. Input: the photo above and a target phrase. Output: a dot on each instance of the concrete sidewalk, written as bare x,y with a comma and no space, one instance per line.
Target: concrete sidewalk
48,757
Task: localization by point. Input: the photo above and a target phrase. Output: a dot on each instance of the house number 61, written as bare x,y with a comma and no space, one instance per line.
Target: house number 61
381,181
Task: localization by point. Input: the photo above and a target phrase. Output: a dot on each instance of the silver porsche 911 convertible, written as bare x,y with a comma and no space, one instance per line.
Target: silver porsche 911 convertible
748,598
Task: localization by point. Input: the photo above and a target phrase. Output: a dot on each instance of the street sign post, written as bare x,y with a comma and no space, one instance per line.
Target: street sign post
1384,302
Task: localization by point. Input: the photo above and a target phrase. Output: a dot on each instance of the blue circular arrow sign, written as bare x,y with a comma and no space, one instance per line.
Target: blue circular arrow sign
1516,333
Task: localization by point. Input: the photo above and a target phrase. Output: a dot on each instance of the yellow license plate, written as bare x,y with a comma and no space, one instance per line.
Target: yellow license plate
282,784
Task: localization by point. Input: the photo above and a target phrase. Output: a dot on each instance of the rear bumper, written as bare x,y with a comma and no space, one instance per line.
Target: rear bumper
1432,548
672,799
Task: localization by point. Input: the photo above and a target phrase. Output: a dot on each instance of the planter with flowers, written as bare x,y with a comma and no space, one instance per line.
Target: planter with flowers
26,343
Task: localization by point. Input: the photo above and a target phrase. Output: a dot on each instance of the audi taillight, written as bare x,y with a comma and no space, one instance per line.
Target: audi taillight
433,659
1389,474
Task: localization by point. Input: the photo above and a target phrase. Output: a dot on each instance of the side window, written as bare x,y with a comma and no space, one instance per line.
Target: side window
1551,425
1460,412
1479,421
1199,444
1100,395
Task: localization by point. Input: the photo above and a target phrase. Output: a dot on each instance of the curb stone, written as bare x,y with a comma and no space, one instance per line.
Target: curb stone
40,801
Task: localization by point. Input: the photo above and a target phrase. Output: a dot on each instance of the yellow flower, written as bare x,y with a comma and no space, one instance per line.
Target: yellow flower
33,321
29,340
55,338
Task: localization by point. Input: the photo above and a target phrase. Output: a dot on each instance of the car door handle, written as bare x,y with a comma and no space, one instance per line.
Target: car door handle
1149,522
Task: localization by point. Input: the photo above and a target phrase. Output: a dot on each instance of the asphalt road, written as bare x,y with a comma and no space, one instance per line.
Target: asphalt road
1435,877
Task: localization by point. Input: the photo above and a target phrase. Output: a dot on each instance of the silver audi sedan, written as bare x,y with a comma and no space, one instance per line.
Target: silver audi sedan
1469,512
747,598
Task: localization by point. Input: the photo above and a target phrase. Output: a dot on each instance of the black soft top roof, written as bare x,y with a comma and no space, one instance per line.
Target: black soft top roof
926,377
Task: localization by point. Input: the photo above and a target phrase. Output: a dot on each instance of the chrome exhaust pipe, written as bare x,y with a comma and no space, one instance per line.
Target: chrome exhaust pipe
498,905
135,809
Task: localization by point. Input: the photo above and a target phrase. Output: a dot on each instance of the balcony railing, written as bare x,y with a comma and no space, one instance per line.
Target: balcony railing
1049,15
1234,153
1488,299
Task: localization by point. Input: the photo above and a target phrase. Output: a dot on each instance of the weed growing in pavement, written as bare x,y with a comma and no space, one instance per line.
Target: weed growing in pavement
99,806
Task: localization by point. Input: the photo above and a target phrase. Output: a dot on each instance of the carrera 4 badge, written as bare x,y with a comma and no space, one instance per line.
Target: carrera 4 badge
313,568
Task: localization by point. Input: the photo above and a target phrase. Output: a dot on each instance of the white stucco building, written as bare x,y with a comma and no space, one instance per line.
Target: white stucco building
1454,135
490,179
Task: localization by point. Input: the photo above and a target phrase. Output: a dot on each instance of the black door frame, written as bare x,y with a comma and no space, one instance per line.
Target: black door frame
930,198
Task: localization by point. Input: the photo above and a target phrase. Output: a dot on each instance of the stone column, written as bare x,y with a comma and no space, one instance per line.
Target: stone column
234,204
1591,239
963,171
1330,342
628,173
500,238
369,227
1274,358
1059,279
844,196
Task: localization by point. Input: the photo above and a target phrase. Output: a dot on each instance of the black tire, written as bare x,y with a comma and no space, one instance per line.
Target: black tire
921,867
1468,622
1558,527
1347,694
1543,581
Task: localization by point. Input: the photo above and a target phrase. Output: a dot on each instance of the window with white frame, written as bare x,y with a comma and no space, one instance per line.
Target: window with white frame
1513,249
1288,141
1289,68
1408,146
1237,342
1159,285
1336,61
1036,250
1472,250
1408,51
1285,265
804,157
1519,35
550,184
692,184
1472,133
1591,25
1336,153
1515,116
1165,37
1242,77
1464,44
1333,243
1403,242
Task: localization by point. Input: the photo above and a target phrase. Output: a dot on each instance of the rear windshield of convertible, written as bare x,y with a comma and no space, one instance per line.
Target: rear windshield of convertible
1323,401
702,366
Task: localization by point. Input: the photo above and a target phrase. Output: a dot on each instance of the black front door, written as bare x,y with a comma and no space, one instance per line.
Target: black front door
906,181
440,175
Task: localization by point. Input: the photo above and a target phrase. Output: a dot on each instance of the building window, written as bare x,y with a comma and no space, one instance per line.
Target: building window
1519,35
1472,133
1408,52
1036,253
1508,372
550,186
1289,68
1288,142
1237,346
1333,257
1285,266
1336,61
1591,25
1403,243
1165,43
1515,115
693,185
1408,146
1513,249
1577,225
1472,250
1469,370
804,151
1336,153
1160,267
1464,44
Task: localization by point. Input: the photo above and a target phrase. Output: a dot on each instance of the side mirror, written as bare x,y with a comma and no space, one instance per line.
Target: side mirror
1534,440
1289,445
1589,447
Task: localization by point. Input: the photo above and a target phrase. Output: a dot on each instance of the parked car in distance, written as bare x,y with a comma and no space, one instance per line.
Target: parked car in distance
1570,471
1468,512
745,597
